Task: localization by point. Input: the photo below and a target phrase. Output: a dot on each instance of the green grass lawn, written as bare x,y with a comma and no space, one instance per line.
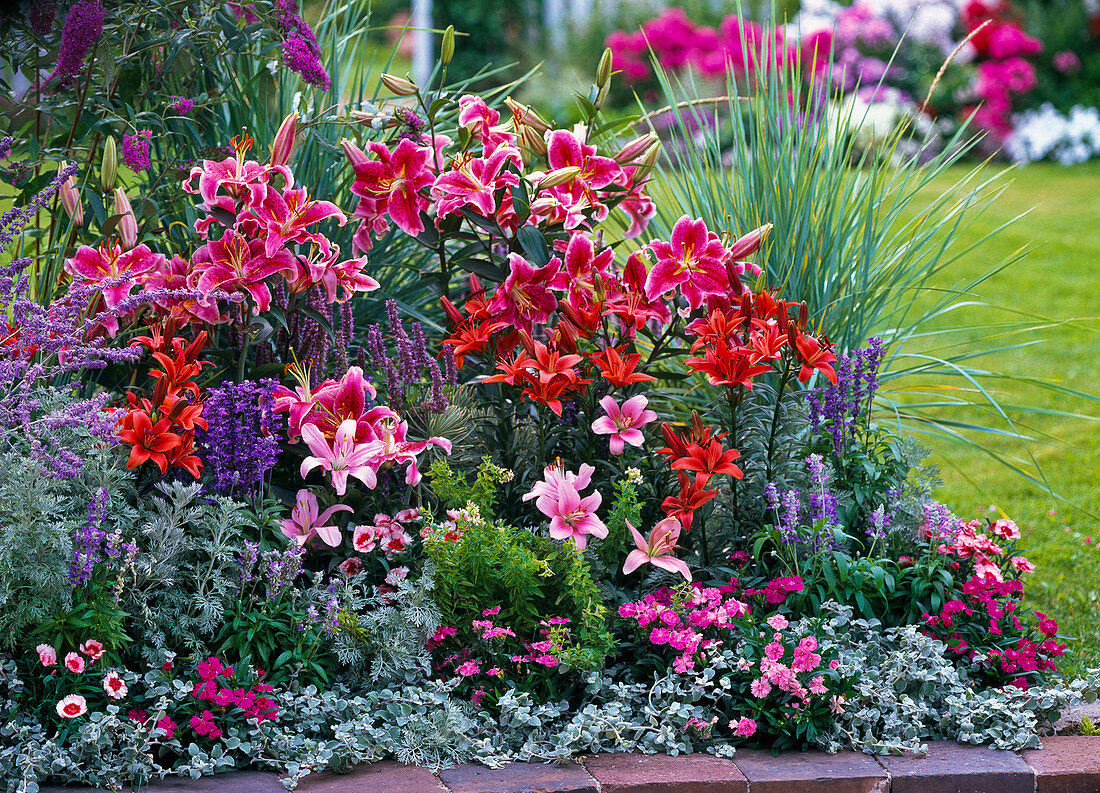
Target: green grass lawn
1059,280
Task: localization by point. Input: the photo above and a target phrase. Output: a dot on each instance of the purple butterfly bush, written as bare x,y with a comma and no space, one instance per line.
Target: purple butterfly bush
82,29
301,52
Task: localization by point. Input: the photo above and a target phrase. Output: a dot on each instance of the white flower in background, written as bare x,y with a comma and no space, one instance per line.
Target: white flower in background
1047,134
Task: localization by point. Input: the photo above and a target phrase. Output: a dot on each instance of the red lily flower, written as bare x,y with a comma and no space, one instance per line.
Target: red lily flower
717,326
150,441
726,366
471,336
678,444
691,497
708,460
814,354
515,370
618,369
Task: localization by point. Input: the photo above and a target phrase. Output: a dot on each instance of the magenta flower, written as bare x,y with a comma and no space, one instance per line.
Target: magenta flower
390,185
659,550
234,263
476,182
285,217
694,260
622,423
525,297
573,517
116,270
565,150
585,270
222,183
745,728
135,150
82,29
342,458
304,522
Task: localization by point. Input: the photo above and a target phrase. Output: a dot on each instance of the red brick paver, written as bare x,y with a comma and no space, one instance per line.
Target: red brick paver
811,772
951,767
233,782
1066,764
384,777
519,778
659,773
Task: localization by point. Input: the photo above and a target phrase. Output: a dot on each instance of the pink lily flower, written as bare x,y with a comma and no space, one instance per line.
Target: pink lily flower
694,259
329,404
394,447
284,217
564,150
622,423
546,491
483,123
234,263
658,550
343,458
304,522
239,178
70,197
476,183
525,297
573,517
585,270
174,274
390,186
109,264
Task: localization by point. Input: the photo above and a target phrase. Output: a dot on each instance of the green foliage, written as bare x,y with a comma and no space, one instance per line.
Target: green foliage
276,636
528,576
454,491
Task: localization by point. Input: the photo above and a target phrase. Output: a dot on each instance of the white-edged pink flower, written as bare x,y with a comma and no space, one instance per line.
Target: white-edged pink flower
365,538
47,655
72,706
777,622
74,663
622,423
114,685
305,522
659,550
351,566
92,649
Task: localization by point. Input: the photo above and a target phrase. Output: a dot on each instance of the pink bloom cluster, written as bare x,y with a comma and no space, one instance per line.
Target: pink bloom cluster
990,558
981,625
346,437
252,701
417,179
679,622
678,43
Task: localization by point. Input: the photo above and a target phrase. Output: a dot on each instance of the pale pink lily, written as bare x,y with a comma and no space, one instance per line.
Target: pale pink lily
573,517
305,523
658,550
622,422
395,447
546,491
70,197
343,457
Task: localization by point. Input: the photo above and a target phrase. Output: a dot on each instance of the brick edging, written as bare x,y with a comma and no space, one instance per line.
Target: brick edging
1065,764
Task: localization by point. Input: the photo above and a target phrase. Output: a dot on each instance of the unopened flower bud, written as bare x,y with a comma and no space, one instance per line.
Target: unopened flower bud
127,224
803,315
603,71
534,140
447,49
356,156
527,116
750,243
559,176
108,169
637,148
70,197
283,147
398,85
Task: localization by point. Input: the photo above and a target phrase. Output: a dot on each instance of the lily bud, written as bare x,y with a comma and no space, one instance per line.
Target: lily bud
527,116
398,85
803,315
356,156
750,243
603,71
559,176
637,148
70,197
283,147
534,140
127,226
447,49
108,169
651,155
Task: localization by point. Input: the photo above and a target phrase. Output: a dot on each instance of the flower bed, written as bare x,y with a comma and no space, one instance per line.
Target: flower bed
586,487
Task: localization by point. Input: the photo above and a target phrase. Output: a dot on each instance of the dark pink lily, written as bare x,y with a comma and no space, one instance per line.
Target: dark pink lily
694,260
234,263
476,182
392,183
285,217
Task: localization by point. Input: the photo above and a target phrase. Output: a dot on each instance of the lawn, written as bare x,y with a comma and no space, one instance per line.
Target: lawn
1059,280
